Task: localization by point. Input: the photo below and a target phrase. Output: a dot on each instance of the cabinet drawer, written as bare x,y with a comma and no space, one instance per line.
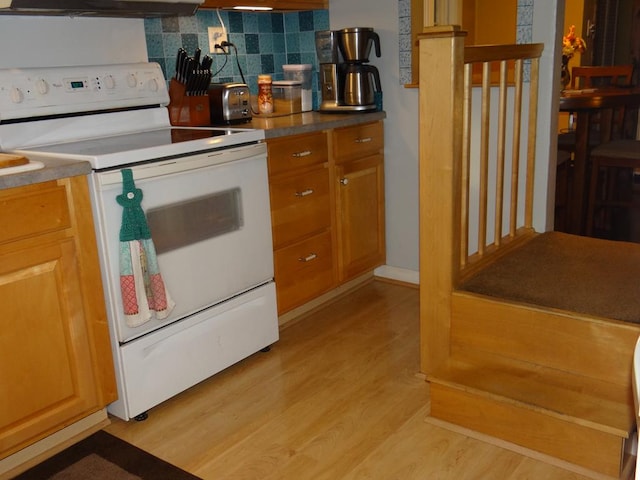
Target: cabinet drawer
300,205
297,151
303,271
33,210
357,141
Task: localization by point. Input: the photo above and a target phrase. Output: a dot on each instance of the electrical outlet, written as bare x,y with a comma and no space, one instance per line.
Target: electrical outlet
217,35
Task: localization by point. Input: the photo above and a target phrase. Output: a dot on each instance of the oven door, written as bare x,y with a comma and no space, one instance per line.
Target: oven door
210,222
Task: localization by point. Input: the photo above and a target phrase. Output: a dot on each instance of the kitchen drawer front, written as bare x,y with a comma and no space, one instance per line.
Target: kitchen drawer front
357,141
303,271
33,210
300,206
297,151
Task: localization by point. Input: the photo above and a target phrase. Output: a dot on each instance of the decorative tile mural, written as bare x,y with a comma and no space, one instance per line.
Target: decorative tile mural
524,28
263,42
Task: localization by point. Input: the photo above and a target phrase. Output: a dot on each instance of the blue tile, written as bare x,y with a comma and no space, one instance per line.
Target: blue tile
187,24
152,25
155,45
277,23
250,22
293,58
291,23
279,44
266,43
321,19
189,42
266,63
171,43
292,42
308,57
235,22
305,20
307,41
238,40
252,42
264,23
204,19
254,64
170,24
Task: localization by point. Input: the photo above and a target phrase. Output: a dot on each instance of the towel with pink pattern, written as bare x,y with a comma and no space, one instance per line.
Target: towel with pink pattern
144,294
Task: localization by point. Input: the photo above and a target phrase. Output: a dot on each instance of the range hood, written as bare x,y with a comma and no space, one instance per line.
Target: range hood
100,8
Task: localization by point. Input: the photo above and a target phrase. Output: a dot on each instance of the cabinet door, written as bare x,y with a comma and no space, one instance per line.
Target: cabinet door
360,214
46,376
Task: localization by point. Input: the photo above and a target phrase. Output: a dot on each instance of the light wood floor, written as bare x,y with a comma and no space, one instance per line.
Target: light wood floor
336,398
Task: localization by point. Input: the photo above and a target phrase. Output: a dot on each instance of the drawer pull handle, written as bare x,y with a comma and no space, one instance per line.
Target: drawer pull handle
308,258
344,181
305,153
364,140
304,193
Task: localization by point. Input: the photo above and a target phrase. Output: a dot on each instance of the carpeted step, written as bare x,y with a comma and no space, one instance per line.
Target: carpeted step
574,418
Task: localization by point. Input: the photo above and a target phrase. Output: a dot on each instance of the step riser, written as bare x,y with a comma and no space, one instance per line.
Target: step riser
592,449
583,346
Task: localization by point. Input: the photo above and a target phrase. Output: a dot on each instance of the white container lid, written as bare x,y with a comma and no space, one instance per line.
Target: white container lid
287,83
297,66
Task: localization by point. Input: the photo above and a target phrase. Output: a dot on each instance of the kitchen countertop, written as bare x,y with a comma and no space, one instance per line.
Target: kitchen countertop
306,122
54,169
273,127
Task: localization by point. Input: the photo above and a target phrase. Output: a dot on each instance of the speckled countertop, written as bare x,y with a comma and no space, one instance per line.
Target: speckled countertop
276,126
309,122
53,170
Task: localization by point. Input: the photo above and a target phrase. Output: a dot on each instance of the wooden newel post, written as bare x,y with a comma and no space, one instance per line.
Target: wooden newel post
441,143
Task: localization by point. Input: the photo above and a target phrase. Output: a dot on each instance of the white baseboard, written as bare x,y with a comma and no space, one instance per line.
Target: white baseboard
399,274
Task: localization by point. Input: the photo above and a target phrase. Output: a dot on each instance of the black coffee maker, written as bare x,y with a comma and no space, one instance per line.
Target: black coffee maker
348,82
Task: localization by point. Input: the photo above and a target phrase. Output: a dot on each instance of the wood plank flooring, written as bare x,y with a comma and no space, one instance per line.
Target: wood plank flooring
336,398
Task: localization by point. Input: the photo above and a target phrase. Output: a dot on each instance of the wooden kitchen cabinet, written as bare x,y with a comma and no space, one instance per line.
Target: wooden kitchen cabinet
360,221
275,4
54,343
301,205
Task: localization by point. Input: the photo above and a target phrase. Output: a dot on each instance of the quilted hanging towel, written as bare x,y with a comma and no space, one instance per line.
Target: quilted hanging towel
143,291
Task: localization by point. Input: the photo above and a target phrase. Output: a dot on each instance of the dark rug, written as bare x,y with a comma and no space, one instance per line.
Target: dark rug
105,457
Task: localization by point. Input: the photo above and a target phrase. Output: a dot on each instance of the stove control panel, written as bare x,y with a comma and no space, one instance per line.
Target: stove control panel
43,92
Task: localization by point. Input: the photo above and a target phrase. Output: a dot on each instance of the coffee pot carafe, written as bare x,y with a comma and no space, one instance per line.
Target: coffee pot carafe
361,82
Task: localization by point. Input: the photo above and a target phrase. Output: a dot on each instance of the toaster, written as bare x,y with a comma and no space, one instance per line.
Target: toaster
229,103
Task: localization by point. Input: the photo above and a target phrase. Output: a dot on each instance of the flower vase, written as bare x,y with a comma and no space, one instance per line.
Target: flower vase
565,74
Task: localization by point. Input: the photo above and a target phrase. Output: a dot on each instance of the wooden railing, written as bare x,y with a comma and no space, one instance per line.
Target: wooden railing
509,127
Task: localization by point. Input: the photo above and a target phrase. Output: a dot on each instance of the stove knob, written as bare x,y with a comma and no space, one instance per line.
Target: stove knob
109,82
16,95
153,85
132,81
42,86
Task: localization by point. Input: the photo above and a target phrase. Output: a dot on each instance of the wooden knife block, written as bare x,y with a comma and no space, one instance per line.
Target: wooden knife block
187,111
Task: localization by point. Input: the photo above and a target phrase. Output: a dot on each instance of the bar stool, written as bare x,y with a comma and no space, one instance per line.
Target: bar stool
607,160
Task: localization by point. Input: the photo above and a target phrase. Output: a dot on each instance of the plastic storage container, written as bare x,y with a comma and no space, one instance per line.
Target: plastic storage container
287,96
302,73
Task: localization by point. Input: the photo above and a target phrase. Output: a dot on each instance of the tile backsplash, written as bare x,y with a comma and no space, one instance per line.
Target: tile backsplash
263,42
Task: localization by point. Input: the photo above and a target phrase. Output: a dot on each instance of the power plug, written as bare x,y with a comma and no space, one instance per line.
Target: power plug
217,38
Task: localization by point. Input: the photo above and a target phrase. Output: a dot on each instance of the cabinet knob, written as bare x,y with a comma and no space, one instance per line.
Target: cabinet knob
304,193
308,258
344,181
364,140
305,153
